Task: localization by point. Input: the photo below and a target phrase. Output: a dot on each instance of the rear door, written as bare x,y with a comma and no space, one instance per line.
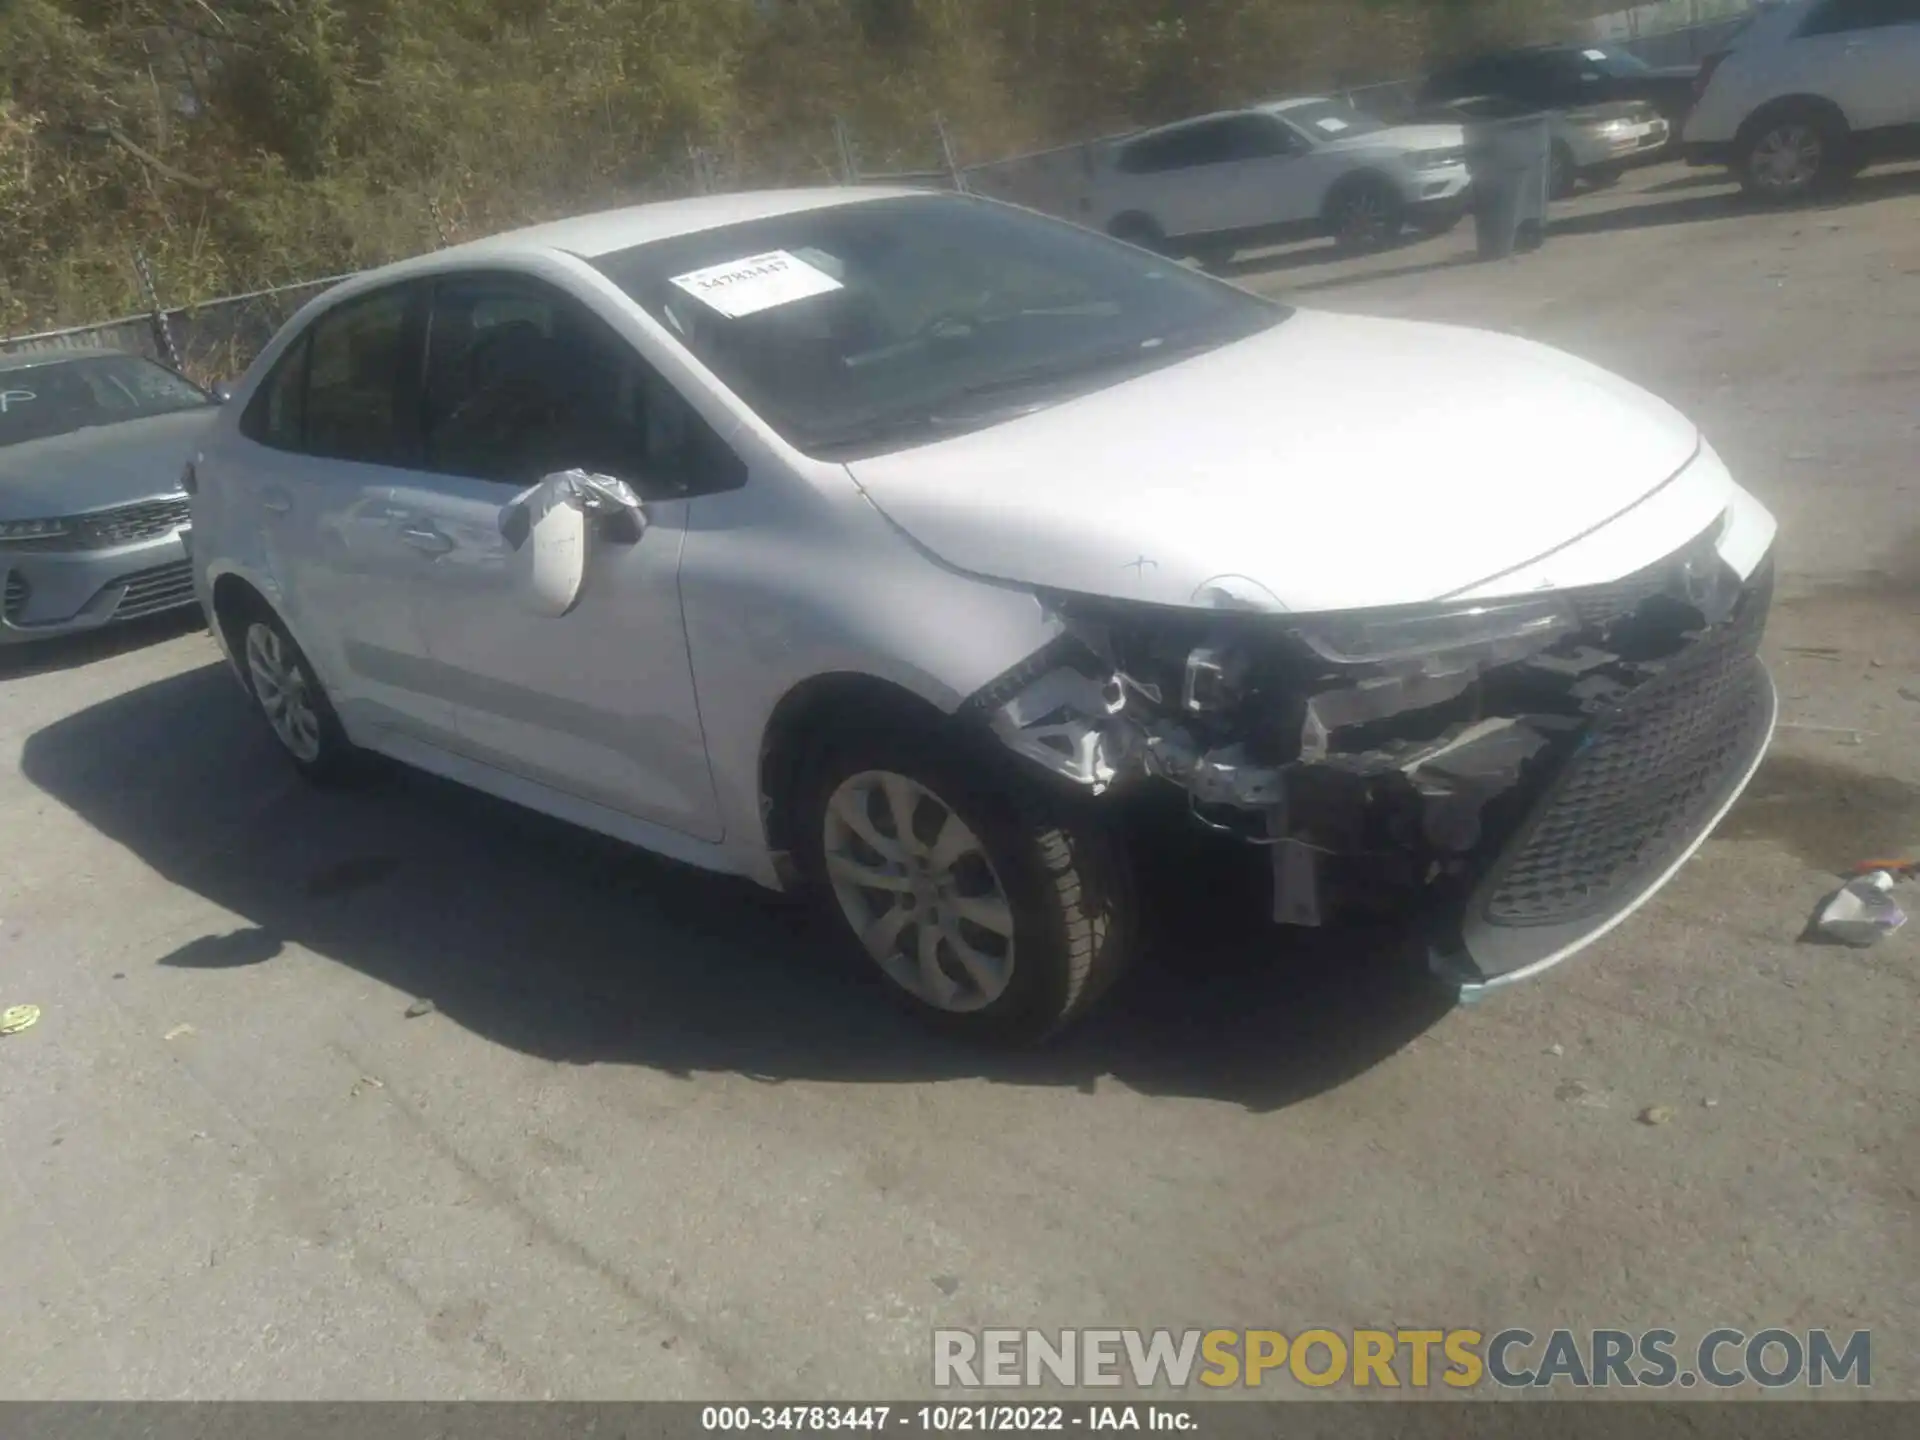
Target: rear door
523,381
1864,55
1272,179
1184,178
332,428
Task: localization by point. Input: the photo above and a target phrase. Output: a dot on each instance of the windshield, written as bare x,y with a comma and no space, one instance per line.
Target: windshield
61,396
1331,119
1616,62
862,327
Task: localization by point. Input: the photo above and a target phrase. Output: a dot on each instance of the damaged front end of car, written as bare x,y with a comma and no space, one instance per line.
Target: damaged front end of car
1521,773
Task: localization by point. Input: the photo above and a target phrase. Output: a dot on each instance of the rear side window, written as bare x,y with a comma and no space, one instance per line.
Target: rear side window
354,369
276,415
1212,143
1838,17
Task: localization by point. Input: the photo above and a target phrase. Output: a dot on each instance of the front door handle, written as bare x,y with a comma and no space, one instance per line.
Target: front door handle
427,540
276,502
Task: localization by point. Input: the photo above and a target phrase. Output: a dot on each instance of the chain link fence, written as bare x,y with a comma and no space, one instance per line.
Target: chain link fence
211,342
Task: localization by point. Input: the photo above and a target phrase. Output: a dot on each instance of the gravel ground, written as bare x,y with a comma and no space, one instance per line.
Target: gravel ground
654,1141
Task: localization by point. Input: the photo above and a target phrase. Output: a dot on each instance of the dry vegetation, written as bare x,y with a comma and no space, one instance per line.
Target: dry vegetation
244,143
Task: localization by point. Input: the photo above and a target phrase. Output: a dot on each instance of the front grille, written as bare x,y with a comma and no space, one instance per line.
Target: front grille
1645,777
15,601
165,587
129,524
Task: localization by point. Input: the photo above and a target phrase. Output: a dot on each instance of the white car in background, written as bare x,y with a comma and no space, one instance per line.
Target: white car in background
1210,186
1811,92
961,567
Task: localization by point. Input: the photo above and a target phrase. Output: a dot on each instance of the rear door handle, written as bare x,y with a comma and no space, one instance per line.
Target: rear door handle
276,502
427,540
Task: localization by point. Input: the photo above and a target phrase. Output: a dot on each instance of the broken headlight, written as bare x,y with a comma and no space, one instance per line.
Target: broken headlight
1516,627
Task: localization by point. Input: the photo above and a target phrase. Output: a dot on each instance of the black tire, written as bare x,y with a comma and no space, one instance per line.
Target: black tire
1793,152
1365,215
1563,175
333,759
1141,230
1604,177
1063,876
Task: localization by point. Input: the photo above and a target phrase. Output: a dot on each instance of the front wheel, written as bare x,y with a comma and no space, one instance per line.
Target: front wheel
1792,155
988,910
1365,217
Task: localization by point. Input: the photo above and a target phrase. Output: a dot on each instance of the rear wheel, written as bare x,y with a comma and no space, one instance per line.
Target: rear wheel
290,700
1793,153
1366,215
1141,230
991,912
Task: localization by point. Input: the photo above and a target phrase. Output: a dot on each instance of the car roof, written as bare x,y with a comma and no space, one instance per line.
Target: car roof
29,359
1280,107
1174,127
605,232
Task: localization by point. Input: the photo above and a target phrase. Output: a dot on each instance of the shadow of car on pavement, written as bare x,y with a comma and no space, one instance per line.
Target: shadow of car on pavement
569,947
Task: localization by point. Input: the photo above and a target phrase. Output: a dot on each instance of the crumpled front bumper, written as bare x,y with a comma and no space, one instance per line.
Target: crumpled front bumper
1643,789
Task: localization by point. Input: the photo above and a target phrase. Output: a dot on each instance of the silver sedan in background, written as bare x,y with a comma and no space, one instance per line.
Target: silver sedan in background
93,519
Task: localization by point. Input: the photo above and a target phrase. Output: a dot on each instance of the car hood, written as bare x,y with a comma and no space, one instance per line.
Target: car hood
1401,137
1330,463
104,465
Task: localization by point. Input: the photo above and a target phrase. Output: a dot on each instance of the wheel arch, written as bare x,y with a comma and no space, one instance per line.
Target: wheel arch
235,594
1786,104
1364,177
791,742
1142,221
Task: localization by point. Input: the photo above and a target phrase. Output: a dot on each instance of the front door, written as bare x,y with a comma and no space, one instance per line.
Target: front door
521,382
1271,183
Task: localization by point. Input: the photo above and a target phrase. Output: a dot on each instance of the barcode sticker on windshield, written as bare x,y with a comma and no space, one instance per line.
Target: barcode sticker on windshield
1331,122
1597,56
759,282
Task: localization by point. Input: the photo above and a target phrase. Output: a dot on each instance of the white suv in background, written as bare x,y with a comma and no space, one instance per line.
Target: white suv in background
1812,92
1210,186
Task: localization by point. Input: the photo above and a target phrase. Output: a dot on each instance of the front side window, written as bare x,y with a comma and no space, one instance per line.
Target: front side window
870,326
355,371
521,382
60,396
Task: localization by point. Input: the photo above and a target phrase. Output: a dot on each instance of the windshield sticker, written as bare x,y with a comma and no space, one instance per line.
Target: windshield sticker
1332,124
1597,56
10,398
759,282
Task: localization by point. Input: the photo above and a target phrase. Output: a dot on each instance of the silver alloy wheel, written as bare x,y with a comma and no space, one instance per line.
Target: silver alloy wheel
1787,158
918,889
284,692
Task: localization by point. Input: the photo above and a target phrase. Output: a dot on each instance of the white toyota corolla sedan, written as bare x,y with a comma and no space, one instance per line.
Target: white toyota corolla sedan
912,549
